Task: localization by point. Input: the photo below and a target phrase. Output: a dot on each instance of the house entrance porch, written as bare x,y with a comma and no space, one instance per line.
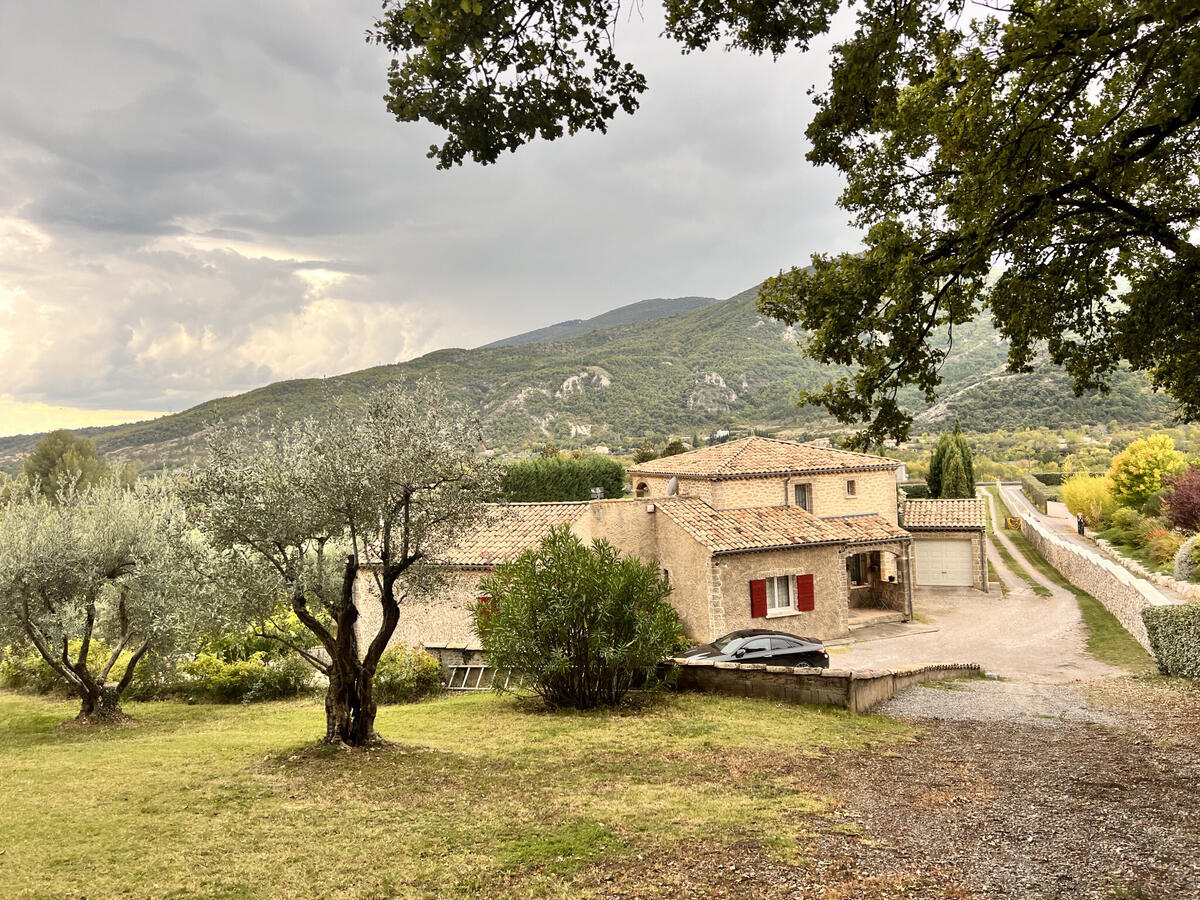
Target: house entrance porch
878,580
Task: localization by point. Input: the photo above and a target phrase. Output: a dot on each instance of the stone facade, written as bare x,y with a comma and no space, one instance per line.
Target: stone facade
874,492
438,622
827,620
1122,594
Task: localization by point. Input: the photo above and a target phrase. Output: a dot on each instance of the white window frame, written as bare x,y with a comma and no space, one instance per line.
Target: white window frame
807,485
851,487
788,584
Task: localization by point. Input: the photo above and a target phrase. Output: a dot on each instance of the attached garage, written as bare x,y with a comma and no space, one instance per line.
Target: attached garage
948,542
944,562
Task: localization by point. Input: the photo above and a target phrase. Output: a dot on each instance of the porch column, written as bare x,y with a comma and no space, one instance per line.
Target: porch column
908,581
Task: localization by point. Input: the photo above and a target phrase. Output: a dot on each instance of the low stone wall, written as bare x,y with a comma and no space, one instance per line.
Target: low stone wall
1186,589
1123,594
855,690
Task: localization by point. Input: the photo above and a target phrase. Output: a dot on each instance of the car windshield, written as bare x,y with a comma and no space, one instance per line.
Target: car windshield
728,643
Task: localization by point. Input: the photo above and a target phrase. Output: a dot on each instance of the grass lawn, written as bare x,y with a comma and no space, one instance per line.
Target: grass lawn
1108,640
475,798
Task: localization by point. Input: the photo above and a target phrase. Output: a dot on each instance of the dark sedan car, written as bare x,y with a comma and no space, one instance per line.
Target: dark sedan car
756,645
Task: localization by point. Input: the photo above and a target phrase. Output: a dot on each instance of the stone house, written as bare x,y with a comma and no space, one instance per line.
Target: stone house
750,533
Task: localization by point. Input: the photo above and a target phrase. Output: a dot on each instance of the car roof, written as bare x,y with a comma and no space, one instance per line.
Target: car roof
759,632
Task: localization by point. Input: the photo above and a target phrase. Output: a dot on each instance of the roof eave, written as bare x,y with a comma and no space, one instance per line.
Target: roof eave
728,476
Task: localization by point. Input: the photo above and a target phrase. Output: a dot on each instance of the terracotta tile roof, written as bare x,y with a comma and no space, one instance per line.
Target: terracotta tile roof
762,456
770,527
868,527
511,528
943,515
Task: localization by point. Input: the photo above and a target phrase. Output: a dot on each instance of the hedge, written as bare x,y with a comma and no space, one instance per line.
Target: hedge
1053,479
1036,491
1175,638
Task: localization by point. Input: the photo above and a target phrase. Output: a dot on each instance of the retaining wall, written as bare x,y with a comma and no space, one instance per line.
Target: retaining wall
1122,593
855,690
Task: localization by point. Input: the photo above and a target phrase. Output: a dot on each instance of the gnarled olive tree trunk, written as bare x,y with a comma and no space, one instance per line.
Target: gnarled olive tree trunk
99,701
350,706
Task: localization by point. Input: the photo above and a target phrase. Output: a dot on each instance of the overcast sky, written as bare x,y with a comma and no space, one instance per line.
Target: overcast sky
198,199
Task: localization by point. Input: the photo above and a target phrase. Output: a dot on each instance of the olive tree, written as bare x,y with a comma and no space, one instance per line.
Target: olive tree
104,565
299,510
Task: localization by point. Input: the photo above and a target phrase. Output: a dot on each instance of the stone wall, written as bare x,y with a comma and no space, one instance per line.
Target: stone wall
1188,590
857,691
1122,594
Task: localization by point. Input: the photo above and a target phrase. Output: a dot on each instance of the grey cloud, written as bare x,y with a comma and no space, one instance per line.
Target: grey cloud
136,139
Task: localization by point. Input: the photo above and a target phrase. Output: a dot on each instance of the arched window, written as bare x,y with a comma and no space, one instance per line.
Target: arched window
642,490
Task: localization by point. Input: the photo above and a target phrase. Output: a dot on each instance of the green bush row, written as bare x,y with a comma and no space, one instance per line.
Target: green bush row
555,479
403,676
1036,492
1175,638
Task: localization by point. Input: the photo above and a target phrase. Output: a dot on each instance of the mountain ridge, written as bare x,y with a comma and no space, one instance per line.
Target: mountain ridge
719,366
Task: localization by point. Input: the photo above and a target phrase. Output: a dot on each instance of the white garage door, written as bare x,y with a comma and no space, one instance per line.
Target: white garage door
943,562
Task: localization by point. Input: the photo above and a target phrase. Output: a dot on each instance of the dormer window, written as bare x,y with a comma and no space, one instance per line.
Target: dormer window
851,487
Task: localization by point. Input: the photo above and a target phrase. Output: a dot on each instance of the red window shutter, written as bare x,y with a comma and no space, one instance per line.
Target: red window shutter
758,598
806,597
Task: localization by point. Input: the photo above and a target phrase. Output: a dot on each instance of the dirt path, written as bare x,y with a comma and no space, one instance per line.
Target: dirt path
983,809
1036,645
1018,502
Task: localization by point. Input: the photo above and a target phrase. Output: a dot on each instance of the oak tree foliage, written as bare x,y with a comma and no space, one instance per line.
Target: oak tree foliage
1035,160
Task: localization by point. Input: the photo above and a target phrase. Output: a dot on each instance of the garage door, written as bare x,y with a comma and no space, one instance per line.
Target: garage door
942,562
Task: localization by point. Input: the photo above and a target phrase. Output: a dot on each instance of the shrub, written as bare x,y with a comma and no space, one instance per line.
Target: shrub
1187,558
1162,545
1126,523
26,671
1138,472
1053,479
208,677
551,479
1175,638
1091,497
405,675
1036,492
583,624
1148,529
23,669
1182,499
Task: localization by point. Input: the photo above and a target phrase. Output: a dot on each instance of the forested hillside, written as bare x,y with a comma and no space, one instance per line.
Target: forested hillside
720,366
641,311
